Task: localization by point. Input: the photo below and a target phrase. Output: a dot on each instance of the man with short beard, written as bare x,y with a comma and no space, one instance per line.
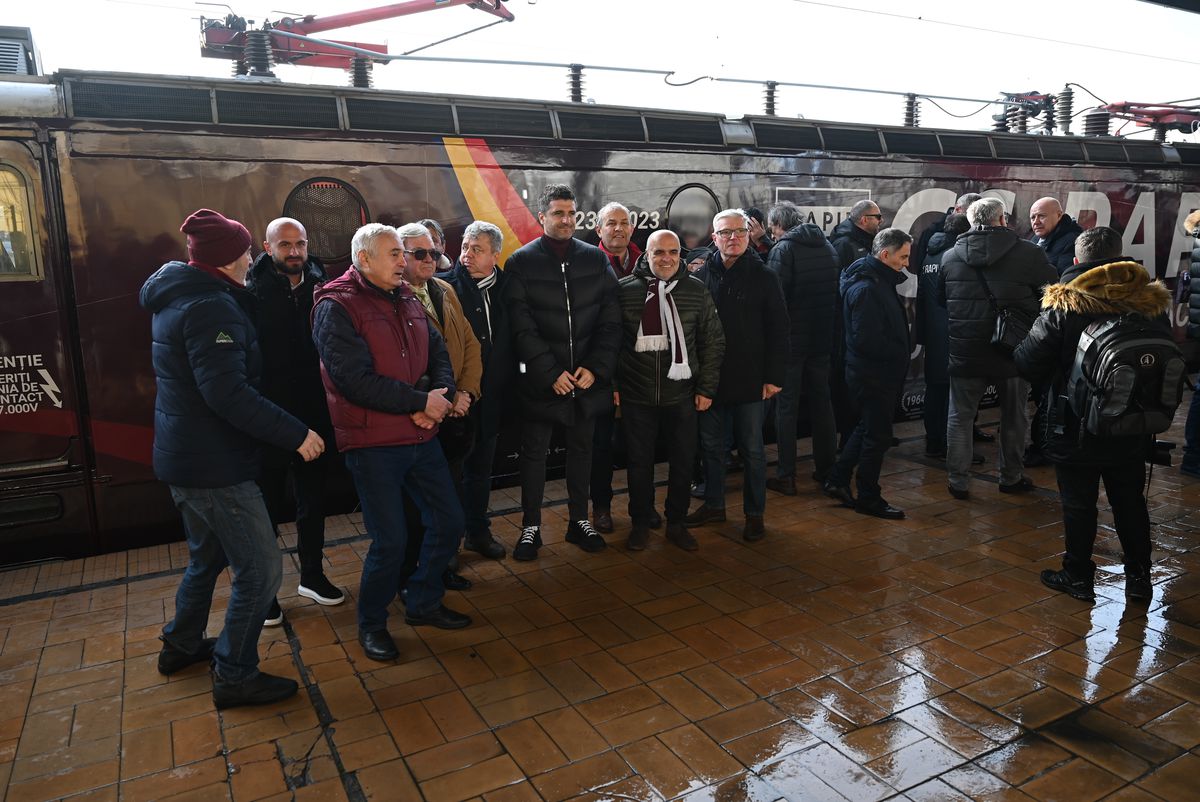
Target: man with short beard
283,279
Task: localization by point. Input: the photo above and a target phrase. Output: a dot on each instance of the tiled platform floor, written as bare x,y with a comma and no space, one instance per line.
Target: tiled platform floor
841,657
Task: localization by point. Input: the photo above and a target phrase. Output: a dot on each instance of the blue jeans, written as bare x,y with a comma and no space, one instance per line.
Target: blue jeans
1191,435
379,475
747,420
807,373
226,526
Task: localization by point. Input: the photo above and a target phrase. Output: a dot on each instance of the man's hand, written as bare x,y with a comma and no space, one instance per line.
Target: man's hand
436,405
770,390
462,403
423,420
756,231
312,447
583,378
616,399
703,402
564,384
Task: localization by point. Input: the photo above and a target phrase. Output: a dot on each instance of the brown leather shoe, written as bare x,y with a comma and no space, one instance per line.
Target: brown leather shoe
639,536
681,537
753,529
602,520
782,484
705,514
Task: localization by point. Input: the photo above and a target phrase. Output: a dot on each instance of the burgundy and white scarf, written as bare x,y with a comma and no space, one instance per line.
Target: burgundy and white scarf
661,328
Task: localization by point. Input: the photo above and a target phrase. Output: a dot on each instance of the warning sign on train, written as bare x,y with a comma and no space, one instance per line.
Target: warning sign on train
26,384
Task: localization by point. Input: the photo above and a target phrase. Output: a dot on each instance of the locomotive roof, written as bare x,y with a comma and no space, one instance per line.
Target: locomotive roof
172,100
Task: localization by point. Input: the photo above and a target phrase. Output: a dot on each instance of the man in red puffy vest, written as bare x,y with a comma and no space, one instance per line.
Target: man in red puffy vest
388,381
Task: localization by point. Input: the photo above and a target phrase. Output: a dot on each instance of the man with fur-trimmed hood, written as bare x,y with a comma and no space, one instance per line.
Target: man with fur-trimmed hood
1100,284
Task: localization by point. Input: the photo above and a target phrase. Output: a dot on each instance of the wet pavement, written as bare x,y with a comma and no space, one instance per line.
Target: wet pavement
842,657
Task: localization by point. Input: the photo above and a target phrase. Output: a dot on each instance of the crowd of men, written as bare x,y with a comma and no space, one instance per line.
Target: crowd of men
405,362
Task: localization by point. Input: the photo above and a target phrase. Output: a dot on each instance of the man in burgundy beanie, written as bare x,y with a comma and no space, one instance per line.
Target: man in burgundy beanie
208,420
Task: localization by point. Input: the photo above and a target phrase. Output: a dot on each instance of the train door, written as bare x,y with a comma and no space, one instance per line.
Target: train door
45,504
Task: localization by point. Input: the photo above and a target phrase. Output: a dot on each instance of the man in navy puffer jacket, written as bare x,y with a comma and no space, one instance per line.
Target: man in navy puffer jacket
209,419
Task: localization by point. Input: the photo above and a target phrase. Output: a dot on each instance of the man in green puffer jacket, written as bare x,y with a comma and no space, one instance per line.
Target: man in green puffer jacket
668,369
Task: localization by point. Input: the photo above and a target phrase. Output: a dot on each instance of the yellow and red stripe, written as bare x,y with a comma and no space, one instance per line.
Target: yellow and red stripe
490,194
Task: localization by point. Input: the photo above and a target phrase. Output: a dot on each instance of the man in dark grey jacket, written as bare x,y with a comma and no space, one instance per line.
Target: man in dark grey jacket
988,257
807,266
668,370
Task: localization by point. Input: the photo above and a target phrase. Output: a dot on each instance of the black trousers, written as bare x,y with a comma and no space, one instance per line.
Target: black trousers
643,424
869,441
307,480
535,441
603,454
1079,487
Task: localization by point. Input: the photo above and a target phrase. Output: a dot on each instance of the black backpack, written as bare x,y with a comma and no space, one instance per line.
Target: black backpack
1127,377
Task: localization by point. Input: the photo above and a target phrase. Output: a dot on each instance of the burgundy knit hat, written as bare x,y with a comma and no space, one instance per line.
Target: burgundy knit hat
213,239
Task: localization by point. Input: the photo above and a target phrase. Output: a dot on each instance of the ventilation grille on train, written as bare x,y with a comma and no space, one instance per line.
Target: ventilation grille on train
619,127
684,132
499,121
399,115
138,102
12,58
265,108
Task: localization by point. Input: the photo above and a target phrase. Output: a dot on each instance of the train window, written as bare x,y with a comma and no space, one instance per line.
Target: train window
331,211
690,212
17,257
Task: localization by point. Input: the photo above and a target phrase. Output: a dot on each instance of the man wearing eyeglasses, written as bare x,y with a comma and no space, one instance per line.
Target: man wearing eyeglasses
852,238
566,325
754,317
456,433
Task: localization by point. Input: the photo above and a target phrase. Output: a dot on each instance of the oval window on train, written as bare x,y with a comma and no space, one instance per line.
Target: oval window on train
690,212
17,257
331,211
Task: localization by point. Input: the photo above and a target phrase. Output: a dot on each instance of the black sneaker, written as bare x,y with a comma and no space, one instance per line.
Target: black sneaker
171,659
1022,485
1137,587
263,689
1064,583
585,536
274,615
321,590
656,520
528,544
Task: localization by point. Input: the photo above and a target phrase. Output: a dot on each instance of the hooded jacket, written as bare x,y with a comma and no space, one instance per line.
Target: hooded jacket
642,375
1192,224
1088,292
1060,245
283,316
877,350
564,315
807,266
850,242
1016,271
755,322
209,415
377,348
491,328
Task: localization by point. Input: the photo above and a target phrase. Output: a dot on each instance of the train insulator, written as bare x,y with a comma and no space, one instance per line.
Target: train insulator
258,54
1018,119
1095,123
769,93
1063,108
575,82
361,75
912,111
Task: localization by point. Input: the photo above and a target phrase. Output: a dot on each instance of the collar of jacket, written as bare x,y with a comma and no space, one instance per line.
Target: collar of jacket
1110,288
635,253
263,269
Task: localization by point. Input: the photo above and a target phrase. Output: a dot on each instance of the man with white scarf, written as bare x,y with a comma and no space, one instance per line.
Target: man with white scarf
668,369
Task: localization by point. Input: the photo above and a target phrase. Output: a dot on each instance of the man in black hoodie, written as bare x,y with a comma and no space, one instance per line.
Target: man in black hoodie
807,267
566,326
989,268
1101,284
877,352
283,279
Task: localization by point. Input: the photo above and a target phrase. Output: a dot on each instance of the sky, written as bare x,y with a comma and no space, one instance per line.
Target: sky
1130,51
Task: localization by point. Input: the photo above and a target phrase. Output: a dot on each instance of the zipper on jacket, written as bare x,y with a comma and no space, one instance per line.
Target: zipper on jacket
570,325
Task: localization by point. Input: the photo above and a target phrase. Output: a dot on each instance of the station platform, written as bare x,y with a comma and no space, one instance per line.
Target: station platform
841,657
